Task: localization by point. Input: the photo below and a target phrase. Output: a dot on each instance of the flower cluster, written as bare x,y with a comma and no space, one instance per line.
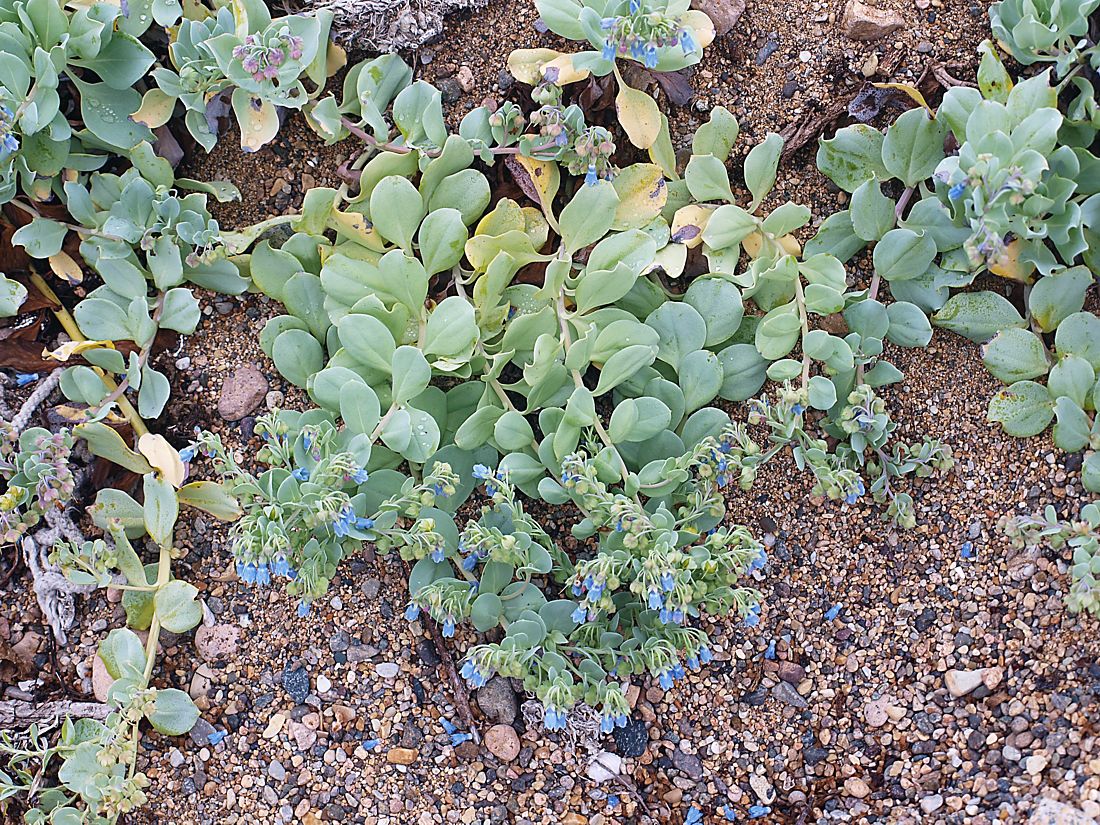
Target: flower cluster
640,35
592,152
35,468
262,56
1081,536
9,143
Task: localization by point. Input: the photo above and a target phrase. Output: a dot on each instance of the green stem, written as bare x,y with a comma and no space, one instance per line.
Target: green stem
804,322
68,323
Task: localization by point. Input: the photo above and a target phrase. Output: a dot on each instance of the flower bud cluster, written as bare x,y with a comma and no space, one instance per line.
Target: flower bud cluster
35,470
640,35
262,55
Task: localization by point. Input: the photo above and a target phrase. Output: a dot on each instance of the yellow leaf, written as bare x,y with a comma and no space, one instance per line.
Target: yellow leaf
336,58
567,73
701,25
688,224
544,177
535,226
258,120
638,115
642,195
155,109
163,457
355,227
672,259
910,90
71,348
1011,267
66,268
526,64
505,217
790,245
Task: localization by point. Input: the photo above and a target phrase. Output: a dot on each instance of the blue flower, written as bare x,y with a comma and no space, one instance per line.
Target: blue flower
705,656
438,490
458,738
757,811
482,472
729,813
665,616
281,567
693,662
577,589
635,6
650,56
609,51
217,736
474,676
678,671
687,42
343,521
554,719
607,723
470,563
438,554
832,612
449,627
678,616
769,654
612,801
364,523
360,476
967,550
664,679
302,474
590,177
579,614
303,609
307,439
798,409
187,454
263,575
10,145
752,618
412,612
446,723
694,816
855,492
654,600
668,581
758,561
24,378
246,572
608,23
957,191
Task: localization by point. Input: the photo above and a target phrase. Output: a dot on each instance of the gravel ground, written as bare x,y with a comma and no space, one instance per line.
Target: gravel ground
951,687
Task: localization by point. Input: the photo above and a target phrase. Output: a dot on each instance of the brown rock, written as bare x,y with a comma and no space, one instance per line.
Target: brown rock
856,787
217,642
343,713
402,756
242,392
101,679
201,682
502,742
724,14
791,672
864,22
